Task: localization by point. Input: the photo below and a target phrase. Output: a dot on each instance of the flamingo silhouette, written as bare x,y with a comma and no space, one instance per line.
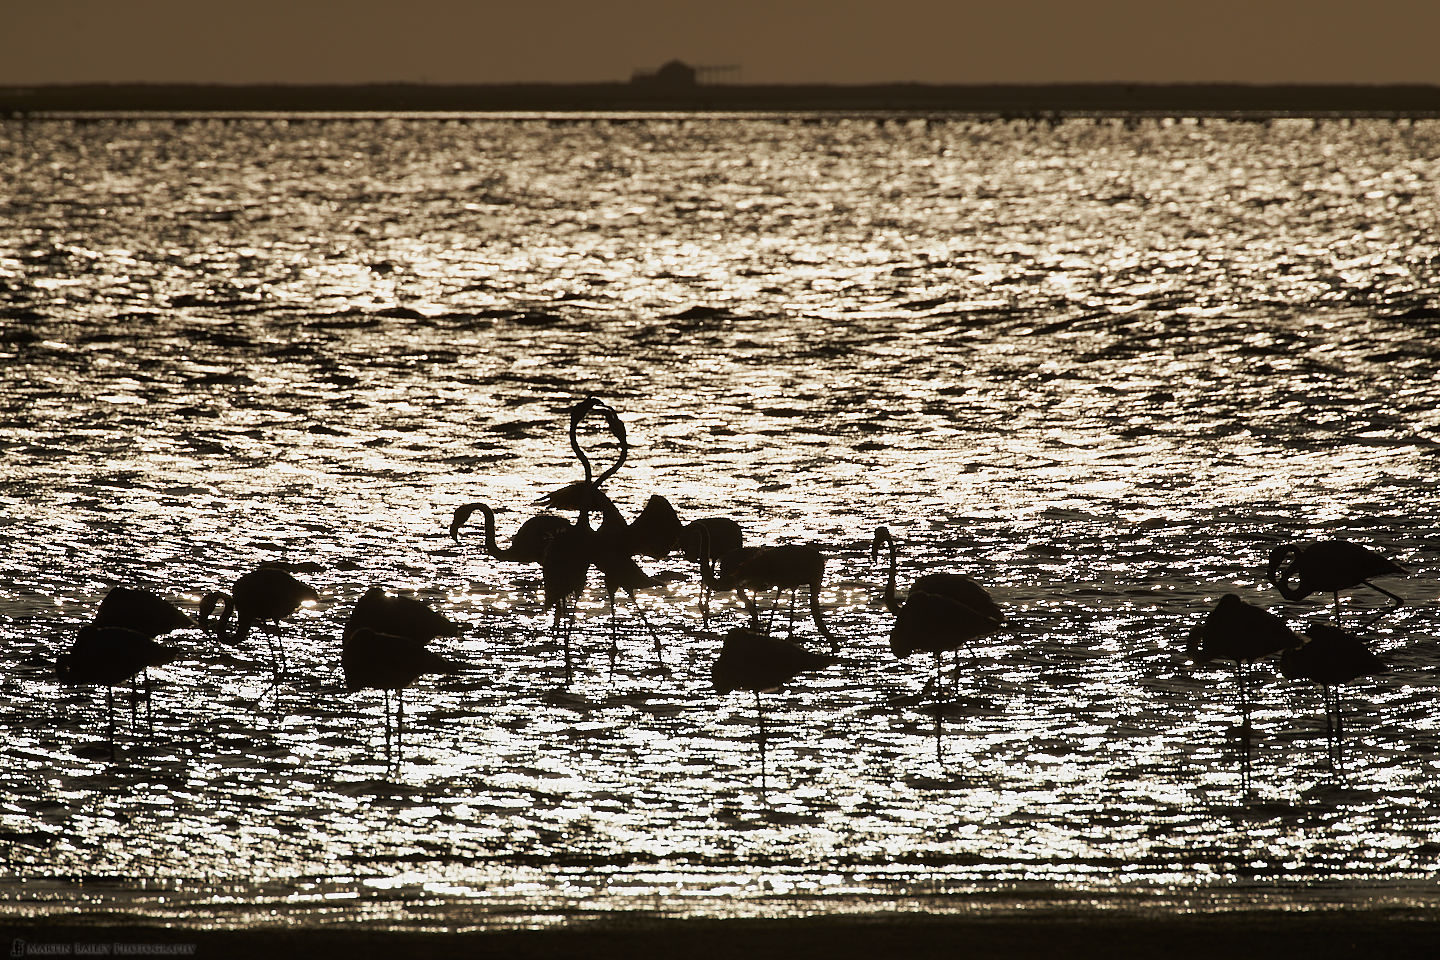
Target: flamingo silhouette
719,535
529,543
754,661
654,533
610,549
267,593
1329,656
147,613
384,647
107,655
581,495
1329,566
143,611
943,612
1242,632
789,566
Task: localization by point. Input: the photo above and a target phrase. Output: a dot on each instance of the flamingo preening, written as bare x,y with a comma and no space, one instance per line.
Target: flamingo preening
1329,656
267,593
384,647
943,612
1329,566
1242,632
760,663
105,656
148,614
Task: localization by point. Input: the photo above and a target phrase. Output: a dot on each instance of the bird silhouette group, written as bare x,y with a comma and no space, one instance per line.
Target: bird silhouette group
1322,653
384,644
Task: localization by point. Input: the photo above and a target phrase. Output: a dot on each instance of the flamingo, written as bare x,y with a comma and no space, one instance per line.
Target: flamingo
107,655
1242,632
654,533
143,611
944,611
1329,566
268,592
528,544
721,536
581,494
1329,656
383,646
755,661
147,613
610,549
772,568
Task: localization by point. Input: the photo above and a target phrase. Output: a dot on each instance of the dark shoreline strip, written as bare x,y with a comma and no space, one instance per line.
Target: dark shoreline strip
1313,935
1007,100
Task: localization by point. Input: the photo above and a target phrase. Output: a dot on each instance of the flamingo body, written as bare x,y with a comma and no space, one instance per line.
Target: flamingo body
750,660
1328,566
142,611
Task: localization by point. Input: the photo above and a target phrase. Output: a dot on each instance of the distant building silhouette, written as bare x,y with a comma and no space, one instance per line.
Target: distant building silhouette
675,75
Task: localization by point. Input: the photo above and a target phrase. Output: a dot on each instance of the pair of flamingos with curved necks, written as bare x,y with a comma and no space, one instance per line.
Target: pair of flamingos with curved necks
942,612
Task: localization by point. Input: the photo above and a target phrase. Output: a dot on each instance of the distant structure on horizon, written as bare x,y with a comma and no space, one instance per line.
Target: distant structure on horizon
679,75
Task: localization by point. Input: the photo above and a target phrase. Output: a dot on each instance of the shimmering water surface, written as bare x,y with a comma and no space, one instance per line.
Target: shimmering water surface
1102,368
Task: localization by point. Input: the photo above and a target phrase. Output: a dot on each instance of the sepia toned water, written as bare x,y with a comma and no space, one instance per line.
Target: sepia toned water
1100,367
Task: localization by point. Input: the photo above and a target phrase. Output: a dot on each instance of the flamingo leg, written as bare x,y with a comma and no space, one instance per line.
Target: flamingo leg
614,636
939,758
640,612
110,717
760,714
1397,601
751,606
1339,725
1244,726
399,728
149,708
770,613
1329,725
561,628
385,703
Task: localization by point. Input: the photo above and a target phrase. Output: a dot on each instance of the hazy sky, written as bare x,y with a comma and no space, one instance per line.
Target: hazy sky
773,41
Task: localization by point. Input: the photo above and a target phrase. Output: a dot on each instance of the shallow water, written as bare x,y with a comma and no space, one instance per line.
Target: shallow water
1102,368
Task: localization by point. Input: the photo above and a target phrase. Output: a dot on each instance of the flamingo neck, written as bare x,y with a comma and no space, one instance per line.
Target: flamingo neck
891,603
491,547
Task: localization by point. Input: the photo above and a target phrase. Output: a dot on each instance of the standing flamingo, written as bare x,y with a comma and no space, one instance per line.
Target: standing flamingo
268,592
944,611
528,544
655,533
789,566
611,548
720,536
1239,631
383,646
1329,656
755,661
108,655
1329,566
146,613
